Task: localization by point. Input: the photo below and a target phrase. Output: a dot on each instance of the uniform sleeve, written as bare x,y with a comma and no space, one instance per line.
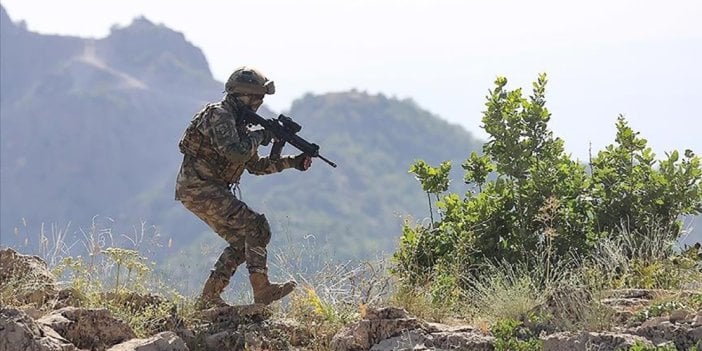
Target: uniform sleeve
265,165
221,127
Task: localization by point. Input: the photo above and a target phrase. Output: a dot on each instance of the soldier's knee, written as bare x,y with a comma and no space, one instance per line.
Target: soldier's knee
261,231
229,260
235,254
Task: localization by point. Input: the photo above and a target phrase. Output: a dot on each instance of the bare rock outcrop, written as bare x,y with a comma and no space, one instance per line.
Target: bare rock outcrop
246,327
18,332
94,329
235,315
266,335
28,276
682,327
393,329
377,326
418,339
165,341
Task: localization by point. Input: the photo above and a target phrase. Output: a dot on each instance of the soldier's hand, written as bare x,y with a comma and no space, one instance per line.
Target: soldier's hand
303,162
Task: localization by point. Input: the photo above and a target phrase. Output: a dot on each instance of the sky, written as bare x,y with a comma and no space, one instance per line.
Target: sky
603,58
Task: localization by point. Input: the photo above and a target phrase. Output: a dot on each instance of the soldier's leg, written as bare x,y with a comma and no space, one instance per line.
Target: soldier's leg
214,210
232,257
258,235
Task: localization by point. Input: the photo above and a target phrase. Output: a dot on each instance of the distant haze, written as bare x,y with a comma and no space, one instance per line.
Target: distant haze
638,58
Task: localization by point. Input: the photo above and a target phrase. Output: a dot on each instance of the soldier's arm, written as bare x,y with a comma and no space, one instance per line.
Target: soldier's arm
221,128
264,165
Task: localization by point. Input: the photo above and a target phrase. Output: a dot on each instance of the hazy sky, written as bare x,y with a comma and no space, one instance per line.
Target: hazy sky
603,58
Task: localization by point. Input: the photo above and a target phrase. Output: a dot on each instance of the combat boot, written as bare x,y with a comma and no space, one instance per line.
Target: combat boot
266,292
211,292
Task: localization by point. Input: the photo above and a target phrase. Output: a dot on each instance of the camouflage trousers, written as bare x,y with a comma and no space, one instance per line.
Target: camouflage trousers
247,232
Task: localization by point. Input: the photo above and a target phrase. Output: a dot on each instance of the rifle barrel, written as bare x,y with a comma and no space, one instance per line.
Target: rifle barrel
327,161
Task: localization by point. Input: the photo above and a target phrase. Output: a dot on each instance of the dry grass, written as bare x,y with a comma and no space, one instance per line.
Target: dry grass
103,269
330,294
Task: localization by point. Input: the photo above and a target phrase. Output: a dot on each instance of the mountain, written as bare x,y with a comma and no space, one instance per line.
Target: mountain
90,127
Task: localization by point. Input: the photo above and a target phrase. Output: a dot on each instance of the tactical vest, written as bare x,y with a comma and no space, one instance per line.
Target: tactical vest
197,145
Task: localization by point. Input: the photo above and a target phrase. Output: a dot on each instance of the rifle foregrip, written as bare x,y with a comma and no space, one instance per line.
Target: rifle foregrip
276,150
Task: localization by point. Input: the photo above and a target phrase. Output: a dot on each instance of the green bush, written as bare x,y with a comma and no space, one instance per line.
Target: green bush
528,197
510,335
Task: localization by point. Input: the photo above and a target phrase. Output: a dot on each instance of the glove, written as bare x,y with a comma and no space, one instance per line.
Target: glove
302,162
264,135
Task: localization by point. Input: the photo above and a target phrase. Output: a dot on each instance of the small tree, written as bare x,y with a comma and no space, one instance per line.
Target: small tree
540,200
631,192
434,180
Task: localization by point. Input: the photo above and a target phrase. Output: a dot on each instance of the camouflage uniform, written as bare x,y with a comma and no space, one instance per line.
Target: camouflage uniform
217,148
216,153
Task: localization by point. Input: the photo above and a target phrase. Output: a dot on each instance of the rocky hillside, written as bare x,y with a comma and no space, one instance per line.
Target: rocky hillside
38,314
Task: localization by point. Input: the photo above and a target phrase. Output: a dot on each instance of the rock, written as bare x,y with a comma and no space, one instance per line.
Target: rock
254,335
679,315
296,334
32,312
684,335
366,333
420,339
266,335
187,335
697,320
28,276
134,301
18,332
591,341
440,327
94,329
166,341
625,302
385,313
67,297
411,340
226,340
393,329
462,341
646,294
624,308
235,315
654,322
695,335
222,330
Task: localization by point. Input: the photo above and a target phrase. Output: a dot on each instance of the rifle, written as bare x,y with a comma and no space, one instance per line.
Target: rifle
285,131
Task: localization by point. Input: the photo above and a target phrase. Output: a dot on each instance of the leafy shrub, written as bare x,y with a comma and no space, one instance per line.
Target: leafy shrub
539,200
510,335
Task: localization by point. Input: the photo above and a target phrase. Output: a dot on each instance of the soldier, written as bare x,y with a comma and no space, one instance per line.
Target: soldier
218,146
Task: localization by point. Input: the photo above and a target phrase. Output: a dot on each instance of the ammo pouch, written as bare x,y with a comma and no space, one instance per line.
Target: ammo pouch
197,145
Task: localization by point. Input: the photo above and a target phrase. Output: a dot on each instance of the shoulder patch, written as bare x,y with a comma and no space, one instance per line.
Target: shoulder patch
223,130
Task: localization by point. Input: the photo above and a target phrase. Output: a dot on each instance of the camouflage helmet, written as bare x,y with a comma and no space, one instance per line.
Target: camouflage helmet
247,80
